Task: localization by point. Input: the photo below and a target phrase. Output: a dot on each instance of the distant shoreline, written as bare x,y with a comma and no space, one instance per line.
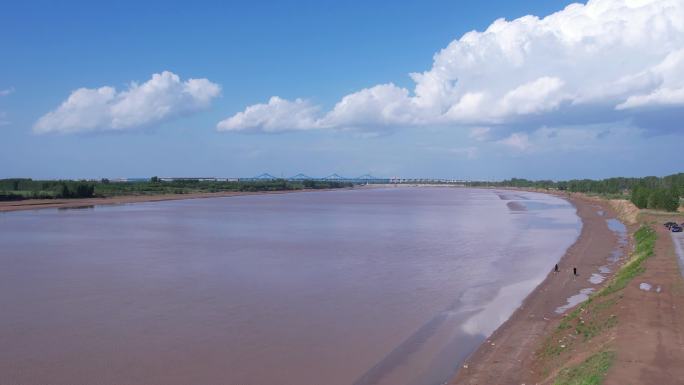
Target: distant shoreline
37,204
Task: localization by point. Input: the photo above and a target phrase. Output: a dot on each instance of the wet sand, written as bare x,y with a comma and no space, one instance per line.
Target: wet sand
506,357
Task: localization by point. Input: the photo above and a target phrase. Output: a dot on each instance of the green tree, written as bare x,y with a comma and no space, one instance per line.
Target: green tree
64,191
640,197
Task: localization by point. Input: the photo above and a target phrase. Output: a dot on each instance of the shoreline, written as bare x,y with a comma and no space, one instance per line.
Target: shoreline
38,204
507,356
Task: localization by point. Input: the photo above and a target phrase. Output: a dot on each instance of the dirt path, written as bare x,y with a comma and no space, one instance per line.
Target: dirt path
650,335
507,356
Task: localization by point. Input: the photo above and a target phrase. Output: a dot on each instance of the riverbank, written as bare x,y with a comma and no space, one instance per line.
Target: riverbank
509,355
631,330
649,339
34,204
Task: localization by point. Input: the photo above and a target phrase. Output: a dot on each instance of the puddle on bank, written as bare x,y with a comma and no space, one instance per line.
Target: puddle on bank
620,230
582,296
596,278
678,239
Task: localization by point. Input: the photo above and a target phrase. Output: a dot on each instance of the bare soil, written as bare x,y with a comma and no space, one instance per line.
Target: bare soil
649,338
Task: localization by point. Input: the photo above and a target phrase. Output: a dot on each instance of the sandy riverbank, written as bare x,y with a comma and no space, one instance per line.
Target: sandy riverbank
508,355
34,204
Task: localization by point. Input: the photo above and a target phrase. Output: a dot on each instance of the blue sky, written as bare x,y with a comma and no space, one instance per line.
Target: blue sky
345,101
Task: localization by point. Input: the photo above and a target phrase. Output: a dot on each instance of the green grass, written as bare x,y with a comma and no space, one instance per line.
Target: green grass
584,323
594,316
590,372
645,239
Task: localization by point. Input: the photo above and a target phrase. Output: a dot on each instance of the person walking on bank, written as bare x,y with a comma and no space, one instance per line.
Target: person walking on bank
555,269
574,271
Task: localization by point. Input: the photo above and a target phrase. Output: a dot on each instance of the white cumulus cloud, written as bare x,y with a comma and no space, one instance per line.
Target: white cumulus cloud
610,57
273,116
162,97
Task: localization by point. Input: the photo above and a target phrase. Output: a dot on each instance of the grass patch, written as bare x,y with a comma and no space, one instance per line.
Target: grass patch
590,372
645,239
594,316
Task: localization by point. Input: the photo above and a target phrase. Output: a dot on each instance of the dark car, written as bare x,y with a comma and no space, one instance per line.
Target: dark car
676,229
670,224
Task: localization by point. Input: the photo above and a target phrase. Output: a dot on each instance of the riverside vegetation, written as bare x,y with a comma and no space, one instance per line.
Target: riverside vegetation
658,193
19,189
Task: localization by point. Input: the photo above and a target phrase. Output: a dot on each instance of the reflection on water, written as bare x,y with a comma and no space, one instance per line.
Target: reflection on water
83,207
376,286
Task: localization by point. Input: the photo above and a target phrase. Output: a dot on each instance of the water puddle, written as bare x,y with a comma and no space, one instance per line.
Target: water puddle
618,227
582,296
678,239
597,278
645,286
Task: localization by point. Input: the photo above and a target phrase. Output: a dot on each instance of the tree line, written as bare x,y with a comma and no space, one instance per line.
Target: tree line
24,188
660,193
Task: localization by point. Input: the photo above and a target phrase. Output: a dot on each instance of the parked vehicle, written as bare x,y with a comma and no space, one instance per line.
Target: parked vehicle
676,229
670,224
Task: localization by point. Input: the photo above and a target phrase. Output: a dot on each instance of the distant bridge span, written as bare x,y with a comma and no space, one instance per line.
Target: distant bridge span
363,179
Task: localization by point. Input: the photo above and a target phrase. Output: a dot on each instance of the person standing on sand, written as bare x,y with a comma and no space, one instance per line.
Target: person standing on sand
574,271
555,269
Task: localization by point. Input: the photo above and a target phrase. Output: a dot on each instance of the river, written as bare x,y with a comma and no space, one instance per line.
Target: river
366,286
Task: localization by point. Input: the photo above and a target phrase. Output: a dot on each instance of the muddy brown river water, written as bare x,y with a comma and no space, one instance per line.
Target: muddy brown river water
372,286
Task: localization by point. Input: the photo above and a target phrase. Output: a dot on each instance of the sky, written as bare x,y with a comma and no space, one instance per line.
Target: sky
540,89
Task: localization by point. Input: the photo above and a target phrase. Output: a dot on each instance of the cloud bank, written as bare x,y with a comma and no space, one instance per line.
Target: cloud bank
162,97
606,60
